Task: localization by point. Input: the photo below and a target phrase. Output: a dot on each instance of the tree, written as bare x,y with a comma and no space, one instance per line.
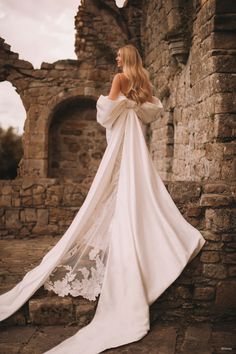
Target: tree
11,151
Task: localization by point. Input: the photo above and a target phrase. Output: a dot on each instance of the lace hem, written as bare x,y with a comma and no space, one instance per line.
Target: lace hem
89,286
82,268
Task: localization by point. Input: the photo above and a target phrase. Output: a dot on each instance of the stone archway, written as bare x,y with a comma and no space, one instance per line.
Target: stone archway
76,142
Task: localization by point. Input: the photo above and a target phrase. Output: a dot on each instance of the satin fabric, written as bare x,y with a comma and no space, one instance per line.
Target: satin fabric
150,242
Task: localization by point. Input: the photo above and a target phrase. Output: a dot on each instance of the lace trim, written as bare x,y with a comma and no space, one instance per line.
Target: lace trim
70,277
89,286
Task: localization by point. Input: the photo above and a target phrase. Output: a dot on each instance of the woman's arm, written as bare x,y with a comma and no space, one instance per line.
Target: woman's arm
115,88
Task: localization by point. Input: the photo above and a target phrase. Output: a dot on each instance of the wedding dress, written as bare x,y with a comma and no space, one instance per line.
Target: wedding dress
128,242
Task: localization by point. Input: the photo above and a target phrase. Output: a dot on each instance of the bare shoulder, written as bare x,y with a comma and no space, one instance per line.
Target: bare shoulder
116,77
123,77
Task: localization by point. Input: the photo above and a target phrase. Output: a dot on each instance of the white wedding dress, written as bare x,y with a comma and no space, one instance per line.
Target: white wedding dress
128,242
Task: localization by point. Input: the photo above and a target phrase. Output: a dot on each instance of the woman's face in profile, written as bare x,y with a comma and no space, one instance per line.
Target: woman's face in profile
119,60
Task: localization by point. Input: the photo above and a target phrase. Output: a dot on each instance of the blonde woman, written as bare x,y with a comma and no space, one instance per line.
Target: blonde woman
134,80
129,241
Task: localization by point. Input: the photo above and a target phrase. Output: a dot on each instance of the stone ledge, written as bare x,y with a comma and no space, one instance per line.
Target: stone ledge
216,200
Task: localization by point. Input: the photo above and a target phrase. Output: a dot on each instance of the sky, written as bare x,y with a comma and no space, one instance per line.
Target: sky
39,31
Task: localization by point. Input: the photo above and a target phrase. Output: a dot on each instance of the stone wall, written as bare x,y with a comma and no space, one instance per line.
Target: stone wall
76,141
39,208
189,50
102,27
44,93
46,90
31,207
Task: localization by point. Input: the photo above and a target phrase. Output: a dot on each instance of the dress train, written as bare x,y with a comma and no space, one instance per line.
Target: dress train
149,241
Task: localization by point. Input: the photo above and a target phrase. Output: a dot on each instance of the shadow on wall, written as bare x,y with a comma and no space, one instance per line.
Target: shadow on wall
76,142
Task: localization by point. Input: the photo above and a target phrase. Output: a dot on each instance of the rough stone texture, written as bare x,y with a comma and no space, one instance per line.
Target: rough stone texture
76,141
61,135
161,339
189,49
192,344
182,41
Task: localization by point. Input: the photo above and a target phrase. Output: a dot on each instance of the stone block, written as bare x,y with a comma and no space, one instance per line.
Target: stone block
214,150
222,82
183,292
186,191
210,257
223,62
229,150
27,201
45,229
191,343
42,217
38,199
225,294
16,335
224,102
27,184
19,318
220,220
229,258
204,293
214,246
28,215
228,169
51,311
54,195
227,237
5,200
194,212
6,190
216,200
218,188
232,271
214,271
16,201
85,311
12,219
224,40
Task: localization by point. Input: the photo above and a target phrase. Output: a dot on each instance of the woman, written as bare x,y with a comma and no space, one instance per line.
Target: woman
128,242
134,81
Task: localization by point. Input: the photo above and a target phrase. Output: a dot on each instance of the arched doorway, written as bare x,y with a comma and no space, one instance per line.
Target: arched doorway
76,141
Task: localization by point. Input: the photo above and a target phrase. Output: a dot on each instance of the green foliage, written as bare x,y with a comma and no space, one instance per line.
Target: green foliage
11,152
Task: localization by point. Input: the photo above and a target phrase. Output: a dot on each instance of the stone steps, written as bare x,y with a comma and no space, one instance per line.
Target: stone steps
18,256
44,307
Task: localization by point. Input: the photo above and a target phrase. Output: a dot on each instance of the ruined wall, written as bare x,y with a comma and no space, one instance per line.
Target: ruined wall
35,207
190,53
188,49
68,83
102,27
44,92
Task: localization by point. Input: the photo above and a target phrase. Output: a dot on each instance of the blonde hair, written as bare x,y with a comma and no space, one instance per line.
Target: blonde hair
140,87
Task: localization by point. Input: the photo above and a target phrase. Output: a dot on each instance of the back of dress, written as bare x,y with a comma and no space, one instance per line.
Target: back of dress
128,242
